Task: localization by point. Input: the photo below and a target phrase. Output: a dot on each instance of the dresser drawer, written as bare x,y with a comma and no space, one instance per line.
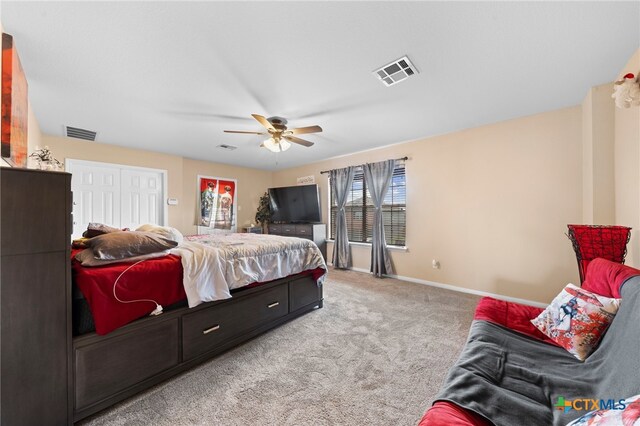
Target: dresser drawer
202,331
275,228
304,231
288,229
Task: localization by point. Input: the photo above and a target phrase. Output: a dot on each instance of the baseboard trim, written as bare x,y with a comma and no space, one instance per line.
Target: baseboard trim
458,289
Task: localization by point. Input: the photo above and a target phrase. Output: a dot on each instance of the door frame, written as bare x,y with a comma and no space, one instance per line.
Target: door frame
165,207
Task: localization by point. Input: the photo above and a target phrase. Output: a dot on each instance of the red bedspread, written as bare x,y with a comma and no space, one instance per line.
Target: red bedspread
158,279
155,279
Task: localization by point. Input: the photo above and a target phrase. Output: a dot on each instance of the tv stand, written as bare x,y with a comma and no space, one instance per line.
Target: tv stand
316,232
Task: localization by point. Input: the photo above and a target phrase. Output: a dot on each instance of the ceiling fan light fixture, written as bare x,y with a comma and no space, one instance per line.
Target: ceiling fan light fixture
276,145
284,145
271,145
281,137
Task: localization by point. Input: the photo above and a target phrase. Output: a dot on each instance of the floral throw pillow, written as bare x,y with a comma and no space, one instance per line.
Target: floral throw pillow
577,319
626,413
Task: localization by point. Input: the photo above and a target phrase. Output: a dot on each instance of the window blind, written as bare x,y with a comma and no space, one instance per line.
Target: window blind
359,209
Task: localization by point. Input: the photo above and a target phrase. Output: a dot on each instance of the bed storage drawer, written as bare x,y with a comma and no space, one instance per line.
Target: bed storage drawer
111,365
303,292
202,331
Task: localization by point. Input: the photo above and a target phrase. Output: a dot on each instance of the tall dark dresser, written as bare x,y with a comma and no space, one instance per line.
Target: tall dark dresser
35,297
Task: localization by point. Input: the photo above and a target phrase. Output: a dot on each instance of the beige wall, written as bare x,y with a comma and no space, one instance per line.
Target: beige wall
490,203
627,167
598,156
34,134
587,158
182,172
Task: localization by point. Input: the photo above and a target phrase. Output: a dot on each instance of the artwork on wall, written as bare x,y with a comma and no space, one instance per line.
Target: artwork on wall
15,106
217,202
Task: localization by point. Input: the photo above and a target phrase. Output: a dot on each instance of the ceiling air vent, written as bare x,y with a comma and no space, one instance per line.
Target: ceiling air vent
227,147
75,132
396,71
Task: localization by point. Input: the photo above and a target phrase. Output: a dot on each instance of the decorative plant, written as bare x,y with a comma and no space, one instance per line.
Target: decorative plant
263,214
45,159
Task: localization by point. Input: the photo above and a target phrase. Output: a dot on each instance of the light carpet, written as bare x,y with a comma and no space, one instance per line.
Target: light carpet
376,354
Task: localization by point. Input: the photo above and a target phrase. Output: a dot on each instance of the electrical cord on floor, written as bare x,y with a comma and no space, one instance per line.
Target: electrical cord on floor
156,311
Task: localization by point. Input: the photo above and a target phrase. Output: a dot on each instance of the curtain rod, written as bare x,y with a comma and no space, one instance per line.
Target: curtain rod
397,159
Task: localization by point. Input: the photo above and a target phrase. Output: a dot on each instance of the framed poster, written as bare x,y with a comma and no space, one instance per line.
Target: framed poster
15,106
217,202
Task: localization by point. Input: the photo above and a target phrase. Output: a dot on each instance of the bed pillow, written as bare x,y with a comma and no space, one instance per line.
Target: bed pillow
121,245
80,243
627,413
577,319
94,229
86,258
166,232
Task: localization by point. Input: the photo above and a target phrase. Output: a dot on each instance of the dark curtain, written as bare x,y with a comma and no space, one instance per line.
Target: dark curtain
341,180
378,178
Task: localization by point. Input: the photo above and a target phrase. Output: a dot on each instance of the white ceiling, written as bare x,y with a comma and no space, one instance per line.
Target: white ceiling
170,76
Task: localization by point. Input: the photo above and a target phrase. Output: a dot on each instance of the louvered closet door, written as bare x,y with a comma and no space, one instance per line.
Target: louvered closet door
141,198
96,196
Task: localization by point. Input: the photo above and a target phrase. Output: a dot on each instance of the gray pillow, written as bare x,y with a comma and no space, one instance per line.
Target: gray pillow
124,244
86,258
94,229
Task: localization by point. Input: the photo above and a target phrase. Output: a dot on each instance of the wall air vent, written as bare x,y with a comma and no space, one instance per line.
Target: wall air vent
395,72
227,147
75,132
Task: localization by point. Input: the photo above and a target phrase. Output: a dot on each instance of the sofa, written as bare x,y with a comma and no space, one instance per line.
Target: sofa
510,373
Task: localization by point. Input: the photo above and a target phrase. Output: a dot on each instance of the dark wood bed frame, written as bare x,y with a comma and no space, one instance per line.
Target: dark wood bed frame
46,375
110,368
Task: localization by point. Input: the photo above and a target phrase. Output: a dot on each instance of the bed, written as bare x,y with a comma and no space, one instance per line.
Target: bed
216,291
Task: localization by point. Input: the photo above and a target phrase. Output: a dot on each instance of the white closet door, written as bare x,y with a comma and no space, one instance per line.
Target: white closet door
116,195
96,196
142,198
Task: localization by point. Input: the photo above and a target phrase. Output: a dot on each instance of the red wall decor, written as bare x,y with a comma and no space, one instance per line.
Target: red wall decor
217,204
15,106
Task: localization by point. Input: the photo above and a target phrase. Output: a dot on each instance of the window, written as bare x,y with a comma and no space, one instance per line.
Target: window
359,210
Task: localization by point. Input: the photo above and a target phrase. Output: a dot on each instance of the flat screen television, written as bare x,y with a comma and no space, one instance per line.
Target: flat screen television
295,204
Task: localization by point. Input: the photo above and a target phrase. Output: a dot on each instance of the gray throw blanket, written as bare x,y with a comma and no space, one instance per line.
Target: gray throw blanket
511,379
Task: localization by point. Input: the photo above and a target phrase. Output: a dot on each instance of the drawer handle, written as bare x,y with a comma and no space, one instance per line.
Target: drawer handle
209,330
273,305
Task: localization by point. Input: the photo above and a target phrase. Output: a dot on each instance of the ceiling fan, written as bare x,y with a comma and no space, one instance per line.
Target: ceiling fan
280,135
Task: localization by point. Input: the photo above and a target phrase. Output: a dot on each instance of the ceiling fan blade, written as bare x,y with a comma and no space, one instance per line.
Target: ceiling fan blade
298,141
264,122
249,133
301,130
